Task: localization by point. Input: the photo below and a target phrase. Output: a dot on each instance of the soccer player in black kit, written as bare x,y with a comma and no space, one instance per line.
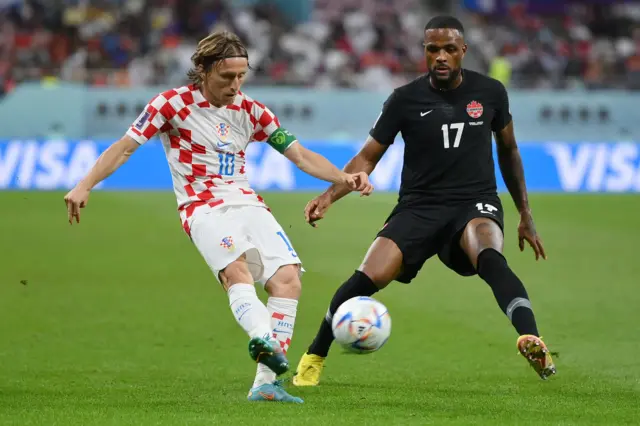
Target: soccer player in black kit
448,203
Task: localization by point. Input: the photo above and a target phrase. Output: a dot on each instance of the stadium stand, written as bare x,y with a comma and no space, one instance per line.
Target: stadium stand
340,43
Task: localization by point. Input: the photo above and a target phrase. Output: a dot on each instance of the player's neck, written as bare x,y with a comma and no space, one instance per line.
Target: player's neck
448,85
210,98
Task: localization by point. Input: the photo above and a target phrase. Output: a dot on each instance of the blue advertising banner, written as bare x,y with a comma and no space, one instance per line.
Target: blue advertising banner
549,166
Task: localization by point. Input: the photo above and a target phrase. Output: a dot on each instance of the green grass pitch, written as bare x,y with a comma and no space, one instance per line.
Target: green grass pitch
118,321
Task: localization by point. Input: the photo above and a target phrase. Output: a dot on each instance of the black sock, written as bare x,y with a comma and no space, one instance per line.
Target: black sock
358,285
508,291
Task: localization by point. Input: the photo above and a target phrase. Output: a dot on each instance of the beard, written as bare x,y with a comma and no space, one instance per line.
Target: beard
444,82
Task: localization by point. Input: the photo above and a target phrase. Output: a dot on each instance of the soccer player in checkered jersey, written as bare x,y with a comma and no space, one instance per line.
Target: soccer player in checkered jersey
205,128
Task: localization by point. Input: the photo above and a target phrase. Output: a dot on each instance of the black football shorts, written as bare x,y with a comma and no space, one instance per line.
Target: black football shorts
422,232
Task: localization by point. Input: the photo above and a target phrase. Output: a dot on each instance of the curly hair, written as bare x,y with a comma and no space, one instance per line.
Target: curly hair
215,47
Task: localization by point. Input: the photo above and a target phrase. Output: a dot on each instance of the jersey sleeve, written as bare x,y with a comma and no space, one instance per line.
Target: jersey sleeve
154,118
264,122
387,125
502,116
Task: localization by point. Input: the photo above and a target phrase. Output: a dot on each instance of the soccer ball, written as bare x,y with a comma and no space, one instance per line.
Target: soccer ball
361,325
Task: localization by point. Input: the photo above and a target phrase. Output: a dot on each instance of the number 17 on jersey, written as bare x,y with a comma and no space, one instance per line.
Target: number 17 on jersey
458,127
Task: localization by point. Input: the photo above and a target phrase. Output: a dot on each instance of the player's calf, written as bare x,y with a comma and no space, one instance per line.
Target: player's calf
358,285
312,362
380,266
284,289
483,241
249,311
508,290
253,316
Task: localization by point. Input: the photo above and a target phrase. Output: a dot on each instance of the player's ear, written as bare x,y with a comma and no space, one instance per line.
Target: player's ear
464,48
201,72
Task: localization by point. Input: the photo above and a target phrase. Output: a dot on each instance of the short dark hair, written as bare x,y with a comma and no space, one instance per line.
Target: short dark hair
444,21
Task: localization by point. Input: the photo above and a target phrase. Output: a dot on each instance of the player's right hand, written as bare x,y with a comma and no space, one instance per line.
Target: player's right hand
316,208
75,200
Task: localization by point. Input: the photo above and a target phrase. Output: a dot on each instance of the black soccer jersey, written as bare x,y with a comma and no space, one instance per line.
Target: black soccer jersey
447,135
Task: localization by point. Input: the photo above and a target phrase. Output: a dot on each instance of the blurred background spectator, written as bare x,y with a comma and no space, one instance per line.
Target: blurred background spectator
362,44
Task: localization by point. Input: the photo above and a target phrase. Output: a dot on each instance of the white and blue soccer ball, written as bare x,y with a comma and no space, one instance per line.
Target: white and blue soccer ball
361,325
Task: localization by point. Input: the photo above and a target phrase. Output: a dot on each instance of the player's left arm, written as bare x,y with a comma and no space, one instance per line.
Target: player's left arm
511,167
267,129
317,165
512,170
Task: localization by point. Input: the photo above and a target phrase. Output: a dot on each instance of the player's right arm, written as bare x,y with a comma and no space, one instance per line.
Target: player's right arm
381,136
151,120
365,161
108,162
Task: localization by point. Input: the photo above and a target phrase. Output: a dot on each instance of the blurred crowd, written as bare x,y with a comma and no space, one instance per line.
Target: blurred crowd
594,45
345,43
368,44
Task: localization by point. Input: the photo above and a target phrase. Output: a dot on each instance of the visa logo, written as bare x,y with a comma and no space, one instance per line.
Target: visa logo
45,165
611,167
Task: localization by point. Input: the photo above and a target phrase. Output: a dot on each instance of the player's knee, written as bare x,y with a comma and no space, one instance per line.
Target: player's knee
379,275
285,282
479,235
237,272
486,233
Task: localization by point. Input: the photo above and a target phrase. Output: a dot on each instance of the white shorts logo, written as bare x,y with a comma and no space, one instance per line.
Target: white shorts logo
486,208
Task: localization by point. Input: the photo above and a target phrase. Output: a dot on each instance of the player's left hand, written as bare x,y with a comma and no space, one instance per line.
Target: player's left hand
527,231
359,182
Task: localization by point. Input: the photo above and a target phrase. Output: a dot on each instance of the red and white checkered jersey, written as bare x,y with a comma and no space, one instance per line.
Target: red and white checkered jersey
205,146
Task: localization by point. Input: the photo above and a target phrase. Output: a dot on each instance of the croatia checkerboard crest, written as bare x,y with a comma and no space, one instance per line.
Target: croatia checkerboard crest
227,242
474,109
223,130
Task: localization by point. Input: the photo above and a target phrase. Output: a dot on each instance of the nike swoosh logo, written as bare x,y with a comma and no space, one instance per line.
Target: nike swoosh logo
422,114
282,331
223,144
267,396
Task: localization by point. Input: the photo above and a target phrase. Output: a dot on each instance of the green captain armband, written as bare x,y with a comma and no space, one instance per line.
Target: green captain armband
281,139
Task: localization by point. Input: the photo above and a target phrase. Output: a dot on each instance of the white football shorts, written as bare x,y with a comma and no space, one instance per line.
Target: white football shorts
223,234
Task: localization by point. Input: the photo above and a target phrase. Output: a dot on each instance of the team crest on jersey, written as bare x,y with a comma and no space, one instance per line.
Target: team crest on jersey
227,242
474,109
223,130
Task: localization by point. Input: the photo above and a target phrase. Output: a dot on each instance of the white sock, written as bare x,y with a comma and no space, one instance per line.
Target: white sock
249,311
283,318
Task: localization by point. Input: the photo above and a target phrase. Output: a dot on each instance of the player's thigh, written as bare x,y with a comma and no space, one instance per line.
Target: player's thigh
222,241
476,227
274,246
407,240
